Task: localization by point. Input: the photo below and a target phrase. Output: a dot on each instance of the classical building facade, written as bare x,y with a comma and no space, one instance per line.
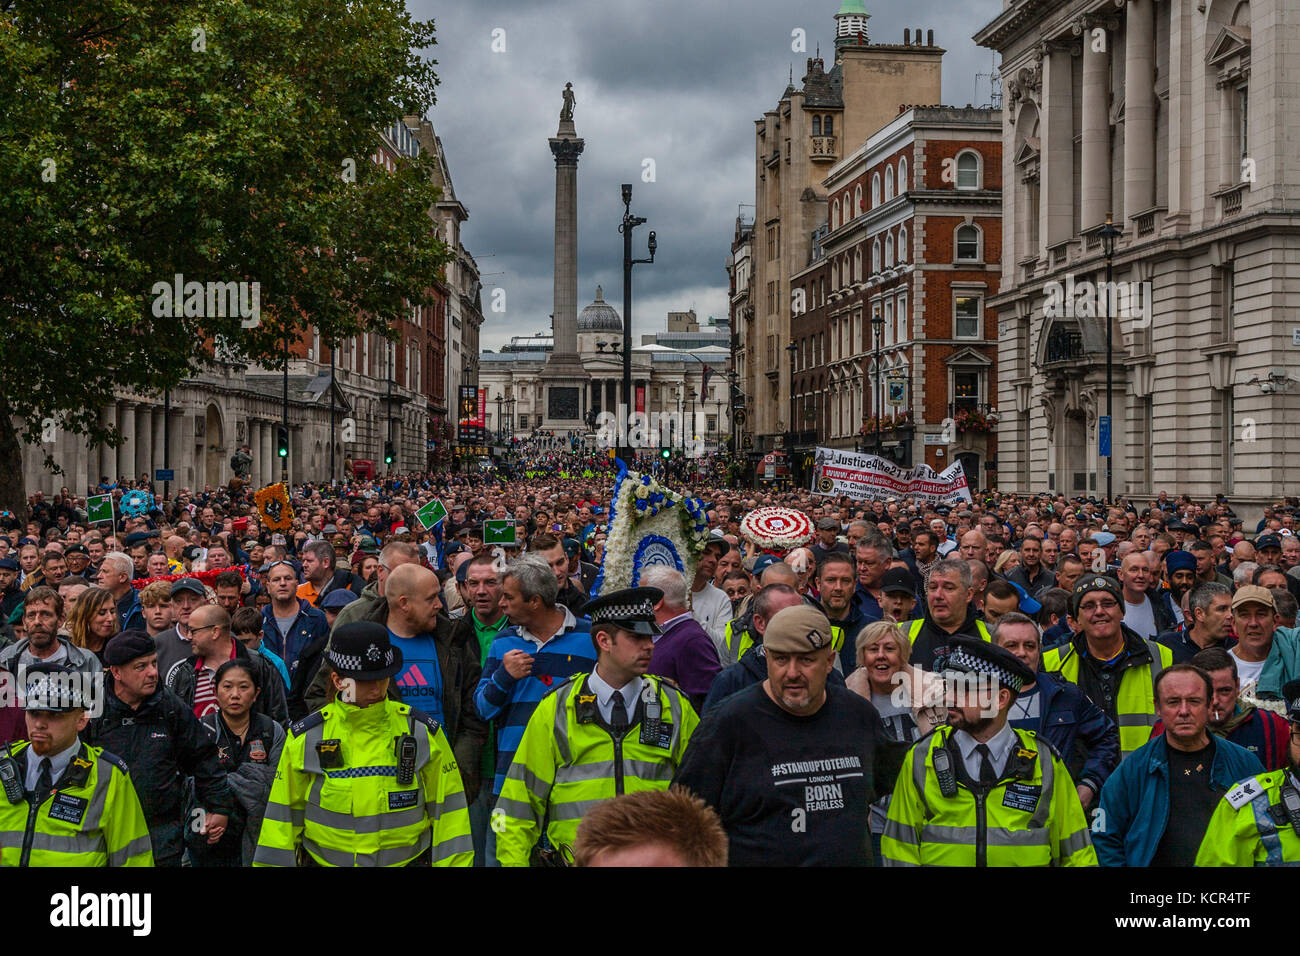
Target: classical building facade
668,374
795,144
898,295
1174,118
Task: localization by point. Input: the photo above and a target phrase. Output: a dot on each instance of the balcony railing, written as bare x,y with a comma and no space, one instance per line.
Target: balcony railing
1063,345
823,149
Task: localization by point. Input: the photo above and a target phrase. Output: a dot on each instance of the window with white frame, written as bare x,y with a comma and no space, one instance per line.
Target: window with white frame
902,245
968,170
889,183
857,265
889,324
902,175
875,257
889,251
968,243
875,190
857,201
902,317
835,215
966,316
846,214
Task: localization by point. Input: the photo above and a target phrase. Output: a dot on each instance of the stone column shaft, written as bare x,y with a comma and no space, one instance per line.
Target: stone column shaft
1095,181
1139,109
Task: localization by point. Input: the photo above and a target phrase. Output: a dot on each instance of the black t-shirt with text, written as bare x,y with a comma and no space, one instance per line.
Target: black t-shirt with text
791,790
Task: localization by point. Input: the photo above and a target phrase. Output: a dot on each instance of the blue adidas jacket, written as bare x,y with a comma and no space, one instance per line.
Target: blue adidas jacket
1135,801
511,702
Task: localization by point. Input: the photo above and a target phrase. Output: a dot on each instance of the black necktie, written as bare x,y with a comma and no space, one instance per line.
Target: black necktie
44,782
618,712
987,777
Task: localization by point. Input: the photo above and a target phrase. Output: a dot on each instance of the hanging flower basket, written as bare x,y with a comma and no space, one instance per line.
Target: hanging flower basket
968,420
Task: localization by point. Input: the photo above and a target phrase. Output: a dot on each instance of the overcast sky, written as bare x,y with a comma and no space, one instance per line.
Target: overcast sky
676,81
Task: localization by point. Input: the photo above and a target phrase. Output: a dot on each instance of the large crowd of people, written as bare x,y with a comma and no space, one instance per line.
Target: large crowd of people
1013,680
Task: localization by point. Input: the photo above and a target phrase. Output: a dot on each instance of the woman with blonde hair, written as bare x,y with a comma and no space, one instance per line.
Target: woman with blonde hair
94,619
1007,562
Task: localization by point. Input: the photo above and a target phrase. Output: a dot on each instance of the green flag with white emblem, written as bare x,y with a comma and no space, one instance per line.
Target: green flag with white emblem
99,508
498,531
431,513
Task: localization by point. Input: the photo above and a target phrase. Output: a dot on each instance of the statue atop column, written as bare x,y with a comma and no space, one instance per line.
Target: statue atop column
566,112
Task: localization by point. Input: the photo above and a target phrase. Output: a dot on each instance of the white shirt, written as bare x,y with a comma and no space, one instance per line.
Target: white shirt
58,763
712,608
1247,671
999,749
605,695
1141,617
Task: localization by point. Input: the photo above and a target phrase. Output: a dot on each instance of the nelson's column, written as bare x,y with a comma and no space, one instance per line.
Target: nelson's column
564,378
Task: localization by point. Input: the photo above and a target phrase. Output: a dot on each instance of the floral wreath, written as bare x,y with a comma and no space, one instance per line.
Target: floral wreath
136,504
206,578
274,507
777,529
636,501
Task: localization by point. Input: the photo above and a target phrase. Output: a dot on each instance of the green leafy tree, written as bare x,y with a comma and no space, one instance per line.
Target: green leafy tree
222,140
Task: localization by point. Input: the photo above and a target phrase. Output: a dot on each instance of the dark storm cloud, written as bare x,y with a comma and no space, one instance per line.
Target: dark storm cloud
676,81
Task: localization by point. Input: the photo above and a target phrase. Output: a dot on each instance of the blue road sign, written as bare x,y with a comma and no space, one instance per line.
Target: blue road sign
1103,435
164,474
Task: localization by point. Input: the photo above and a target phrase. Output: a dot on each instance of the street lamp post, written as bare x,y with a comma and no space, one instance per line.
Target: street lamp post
792,350
629,223
877,333
1109,236
500,431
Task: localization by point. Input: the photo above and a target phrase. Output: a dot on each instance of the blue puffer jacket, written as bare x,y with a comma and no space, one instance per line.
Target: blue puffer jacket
1135,801
1087,740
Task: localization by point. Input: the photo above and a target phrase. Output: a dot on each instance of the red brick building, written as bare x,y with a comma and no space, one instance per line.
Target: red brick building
912,255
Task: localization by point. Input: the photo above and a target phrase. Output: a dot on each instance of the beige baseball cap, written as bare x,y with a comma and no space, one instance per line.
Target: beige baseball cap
797,630
1251,594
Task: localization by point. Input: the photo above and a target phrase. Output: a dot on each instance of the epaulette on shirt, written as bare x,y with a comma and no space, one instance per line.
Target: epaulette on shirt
1042,743
418,715
314,719
562,685
115,760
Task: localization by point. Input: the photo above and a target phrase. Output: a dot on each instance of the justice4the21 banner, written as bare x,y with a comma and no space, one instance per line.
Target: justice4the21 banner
862,477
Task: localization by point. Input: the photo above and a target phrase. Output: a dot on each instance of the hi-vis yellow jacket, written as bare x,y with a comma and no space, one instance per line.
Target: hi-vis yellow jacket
1250,826
91,818
337,796
1031,817
569,760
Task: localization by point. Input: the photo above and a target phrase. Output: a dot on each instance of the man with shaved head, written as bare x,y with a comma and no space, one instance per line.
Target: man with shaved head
439,675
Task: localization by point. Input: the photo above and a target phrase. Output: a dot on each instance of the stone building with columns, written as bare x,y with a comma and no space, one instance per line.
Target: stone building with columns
668,374
1173,118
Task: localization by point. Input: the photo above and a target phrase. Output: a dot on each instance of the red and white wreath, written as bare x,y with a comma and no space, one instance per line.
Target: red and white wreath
777,529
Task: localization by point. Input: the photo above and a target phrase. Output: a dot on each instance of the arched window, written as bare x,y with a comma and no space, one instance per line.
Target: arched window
889,251
828,125
857,265
817,125
875,190
835,276
875,257
902,245
835,215
848,209
968,243
968,170
889,183
857,201
903,185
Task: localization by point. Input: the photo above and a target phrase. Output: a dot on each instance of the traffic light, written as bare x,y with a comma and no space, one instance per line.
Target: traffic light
388,453
282,441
